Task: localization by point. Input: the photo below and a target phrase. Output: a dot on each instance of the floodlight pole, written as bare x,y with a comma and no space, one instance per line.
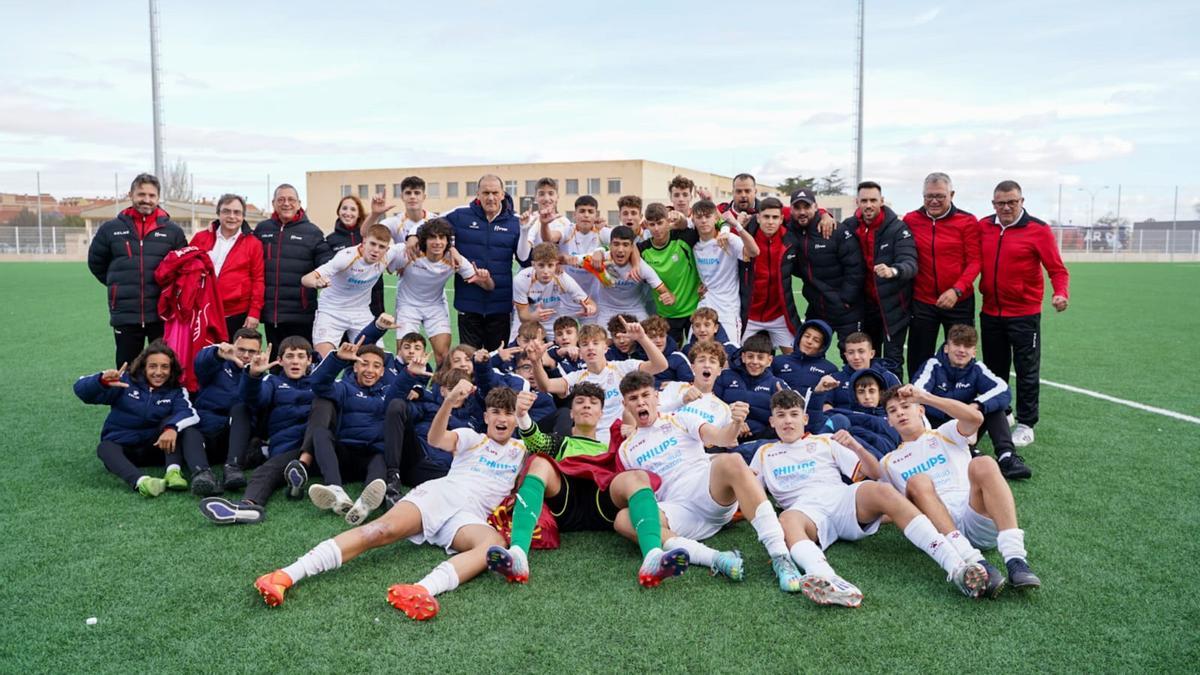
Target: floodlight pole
39,212
858,132
154,91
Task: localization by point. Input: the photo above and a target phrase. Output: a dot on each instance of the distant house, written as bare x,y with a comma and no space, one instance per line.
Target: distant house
191,217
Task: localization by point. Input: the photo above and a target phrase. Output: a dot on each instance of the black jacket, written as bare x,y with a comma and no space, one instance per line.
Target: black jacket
125,263
832,271
289,252
894,247
343,237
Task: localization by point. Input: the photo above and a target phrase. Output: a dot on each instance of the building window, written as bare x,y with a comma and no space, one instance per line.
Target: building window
362,192
593,186
433,190
614,186
472,187
572,186
396,191
614,217
380,189
510,186
452,189
346,190
531,187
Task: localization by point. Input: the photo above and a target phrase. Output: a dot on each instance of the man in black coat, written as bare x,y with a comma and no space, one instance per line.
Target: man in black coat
831,268
292,247
890,256
123,256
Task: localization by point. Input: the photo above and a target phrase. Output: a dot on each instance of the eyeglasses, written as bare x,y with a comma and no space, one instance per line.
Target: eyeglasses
230,212
1010,204
936,198
287,200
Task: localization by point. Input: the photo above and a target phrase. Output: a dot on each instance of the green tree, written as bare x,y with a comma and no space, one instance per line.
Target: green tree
794,183
831,184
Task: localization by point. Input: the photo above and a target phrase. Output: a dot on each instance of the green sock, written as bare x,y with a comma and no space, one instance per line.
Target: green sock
643,512
526,510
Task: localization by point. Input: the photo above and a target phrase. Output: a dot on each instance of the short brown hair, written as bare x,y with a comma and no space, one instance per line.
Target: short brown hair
704,207
545,252
565,322
770,203
588,390
708,313
654,326
501,398
760,343
362,214
379,231
591,331
709,348
656,211
888,395
244,333
681,183
855,338
546,182
962,334
630,201
530,329
412,336
638,379
294,342
614,324
375,349
1007,186
785,399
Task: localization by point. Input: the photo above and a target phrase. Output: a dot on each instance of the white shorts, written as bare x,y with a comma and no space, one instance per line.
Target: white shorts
729,314
605,314
444,511
980,530
434,319
690,509
328,327
781,335
838,518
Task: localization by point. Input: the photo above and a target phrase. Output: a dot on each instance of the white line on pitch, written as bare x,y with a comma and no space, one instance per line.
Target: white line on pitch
1132,404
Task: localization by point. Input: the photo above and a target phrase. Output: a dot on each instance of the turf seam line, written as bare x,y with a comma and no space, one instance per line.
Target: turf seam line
1132,404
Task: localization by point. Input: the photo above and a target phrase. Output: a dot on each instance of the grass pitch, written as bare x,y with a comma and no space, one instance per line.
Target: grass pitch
1111,520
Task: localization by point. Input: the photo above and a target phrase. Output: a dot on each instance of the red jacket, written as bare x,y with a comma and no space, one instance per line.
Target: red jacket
190,306
1013,258
240,282
947,253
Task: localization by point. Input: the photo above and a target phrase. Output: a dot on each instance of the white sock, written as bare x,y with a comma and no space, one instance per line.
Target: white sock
770,532
323,557
440,579
1011,543
964,547
173,466
811,559
925,536
698,553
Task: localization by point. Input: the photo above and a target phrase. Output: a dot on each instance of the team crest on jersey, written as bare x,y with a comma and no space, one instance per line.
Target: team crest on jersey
135,394
474,225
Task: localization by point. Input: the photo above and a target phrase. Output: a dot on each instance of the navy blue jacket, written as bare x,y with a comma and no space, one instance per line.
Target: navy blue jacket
565,365
802,373
360,409
843,396
679,369
392,365
420,415
286,403
220,388
972,383
543,407
139,414
490,245
735,384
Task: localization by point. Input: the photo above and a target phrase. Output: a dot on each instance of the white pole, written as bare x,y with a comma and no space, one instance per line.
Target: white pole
116,188
858,133
54,239
1060,204
41,242
1174,222
1117,225
156,99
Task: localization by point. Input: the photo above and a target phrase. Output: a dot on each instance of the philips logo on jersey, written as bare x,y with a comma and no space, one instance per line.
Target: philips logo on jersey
498,466
611,393
707,417
363,282
790,469
708,261
924,466
656,451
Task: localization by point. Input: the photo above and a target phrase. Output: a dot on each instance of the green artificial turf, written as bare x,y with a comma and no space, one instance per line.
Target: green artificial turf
1110,517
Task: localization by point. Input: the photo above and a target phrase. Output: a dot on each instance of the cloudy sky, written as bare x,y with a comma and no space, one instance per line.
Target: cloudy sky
1082,94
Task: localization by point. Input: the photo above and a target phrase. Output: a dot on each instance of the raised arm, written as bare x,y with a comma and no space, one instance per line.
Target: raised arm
656,361
439,436
969,417
726,436
867,464
551,385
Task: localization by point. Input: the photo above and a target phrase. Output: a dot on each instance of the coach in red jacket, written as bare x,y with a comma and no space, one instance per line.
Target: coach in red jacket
947,263
237,257
1016,246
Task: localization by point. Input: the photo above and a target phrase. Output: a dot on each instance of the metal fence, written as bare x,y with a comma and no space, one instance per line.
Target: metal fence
51,240
1127,240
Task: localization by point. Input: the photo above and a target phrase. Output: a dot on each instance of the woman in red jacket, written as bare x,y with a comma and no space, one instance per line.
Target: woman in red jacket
237,256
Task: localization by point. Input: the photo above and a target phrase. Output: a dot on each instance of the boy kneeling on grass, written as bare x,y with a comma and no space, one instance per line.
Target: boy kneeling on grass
804,474
149,409
450,512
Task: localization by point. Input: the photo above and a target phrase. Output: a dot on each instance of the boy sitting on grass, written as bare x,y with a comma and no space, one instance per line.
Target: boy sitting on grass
753,382
707,326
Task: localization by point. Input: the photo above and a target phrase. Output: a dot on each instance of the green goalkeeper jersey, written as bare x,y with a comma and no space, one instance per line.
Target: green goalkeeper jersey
561,446
675,264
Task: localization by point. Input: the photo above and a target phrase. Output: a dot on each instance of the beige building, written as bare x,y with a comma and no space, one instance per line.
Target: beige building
451,186
192,217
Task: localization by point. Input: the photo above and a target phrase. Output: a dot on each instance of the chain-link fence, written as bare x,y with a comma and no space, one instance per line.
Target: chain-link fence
52,240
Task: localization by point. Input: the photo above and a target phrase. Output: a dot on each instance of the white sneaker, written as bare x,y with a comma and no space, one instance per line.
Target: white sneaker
971,578
330,497
832,590
1022,435
368,501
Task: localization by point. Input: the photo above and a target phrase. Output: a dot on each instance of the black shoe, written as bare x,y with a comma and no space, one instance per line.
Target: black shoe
1020,575
295,475
392,495
995,582
224,512
1013,467
234,478
204,483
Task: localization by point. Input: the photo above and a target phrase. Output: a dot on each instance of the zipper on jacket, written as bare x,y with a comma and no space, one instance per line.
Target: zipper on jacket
278,262
142,278
996,273
933,251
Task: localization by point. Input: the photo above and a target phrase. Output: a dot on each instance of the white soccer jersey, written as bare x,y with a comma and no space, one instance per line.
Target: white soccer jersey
556,294
806,471
402,228
609,380
942,454
625,295
670,447
559,225
350,280
484,468
708,407
718,270
581,245
423,283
